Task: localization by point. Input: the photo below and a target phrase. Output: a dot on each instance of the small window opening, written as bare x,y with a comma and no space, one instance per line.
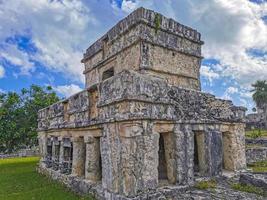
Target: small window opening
162,167
196,159
107,74
67,156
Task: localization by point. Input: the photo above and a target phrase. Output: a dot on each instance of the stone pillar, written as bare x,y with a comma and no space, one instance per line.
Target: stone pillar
214,152
234,152
42,139
184,153
61,153
93,159
78,162
129,158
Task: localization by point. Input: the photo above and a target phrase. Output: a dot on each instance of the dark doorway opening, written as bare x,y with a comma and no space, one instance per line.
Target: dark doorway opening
196,158
162,167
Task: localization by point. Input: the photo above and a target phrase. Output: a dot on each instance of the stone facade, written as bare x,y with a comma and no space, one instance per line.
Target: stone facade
142,121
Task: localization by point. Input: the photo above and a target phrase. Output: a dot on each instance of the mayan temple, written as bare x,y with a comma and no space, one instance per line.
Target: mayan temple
142,122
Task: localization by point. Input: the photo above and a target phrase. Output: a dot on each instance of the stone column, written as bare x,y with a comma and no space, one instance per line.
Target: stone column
184,153
48,155
234,152
53,150
78,162
93,159
42,139
61,152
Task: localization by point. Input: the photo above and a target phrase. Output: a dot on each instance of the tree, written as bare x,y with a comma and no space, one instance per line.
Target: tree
260,97
18,116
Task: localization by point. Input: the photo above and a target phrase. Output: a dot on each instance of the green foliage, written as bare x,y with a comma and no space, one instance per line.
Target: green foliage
248,188
203,185
18,116
256,133
157,22
260,93
20,181
260,166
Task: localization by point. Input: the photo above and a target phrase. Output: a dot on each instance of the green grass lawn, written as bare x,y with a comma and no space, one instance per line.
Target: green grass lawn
20,181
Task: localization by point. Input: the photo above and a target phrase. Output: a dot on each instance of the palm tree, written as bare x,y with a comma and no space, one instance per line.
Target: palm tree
260,97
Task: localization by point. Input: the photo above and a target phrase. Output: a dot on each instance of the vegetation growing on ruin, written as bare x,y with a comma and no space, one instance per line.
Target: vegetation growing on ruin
256,133
260,166
20,181
157,21
249,189
202,185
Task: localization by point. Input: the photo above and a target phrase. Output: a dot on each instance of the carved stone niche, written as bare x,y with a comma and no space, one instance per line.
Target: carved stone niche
55,153
66,163
48,157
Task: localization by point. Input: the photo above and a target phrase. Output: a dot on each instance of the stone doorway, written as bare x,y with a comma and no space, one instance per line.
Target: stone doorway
227,162
166,159
200,166
162,167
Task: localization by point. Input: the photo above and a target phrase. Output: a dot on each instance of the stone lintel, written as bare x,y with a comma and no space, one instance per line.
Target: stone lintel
130,129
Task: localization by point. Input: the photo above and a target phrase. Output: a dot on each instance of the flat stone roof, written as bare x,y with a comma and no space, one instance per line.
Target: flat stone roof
149,17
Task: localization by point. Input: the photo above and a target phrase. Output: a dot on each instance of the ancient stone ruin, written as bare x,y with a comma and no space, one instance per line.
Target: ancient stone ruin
142,121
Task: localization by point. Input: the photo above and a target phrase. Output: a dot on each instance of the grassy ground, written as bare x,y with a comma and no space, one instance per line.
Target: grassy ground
203,185
20,181
258,166
249,188
256,133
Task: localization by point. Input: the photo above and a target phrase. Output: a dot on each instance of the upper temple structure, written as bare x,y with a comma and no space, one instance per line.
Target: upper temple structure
142,121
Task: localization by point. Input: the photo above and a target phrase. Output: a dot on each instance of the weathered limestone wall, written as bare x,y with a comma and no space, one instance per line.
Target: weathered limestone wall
141,44
176,68
130,95
256,154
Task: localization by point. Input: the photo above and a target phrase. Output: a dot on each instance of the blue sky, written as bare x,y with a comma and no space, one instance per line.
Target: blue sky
42,42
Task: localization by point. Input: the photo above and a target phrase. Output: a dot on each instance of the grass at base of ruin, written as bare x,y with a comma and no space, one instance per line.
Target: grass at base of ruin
260,166
20,181
203,185
256,133
249,189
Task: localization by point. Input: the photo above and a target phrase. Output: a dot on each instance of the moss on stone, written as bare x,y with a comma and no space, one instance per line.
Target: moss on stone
157,21
202,185
249,189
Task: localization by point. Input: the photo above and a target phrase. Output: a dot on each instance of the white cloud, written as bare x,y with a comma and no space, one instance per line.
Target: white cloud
12,54
229,28
2,72
128,6
59,29
232,90
208,73
67,90
229,92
